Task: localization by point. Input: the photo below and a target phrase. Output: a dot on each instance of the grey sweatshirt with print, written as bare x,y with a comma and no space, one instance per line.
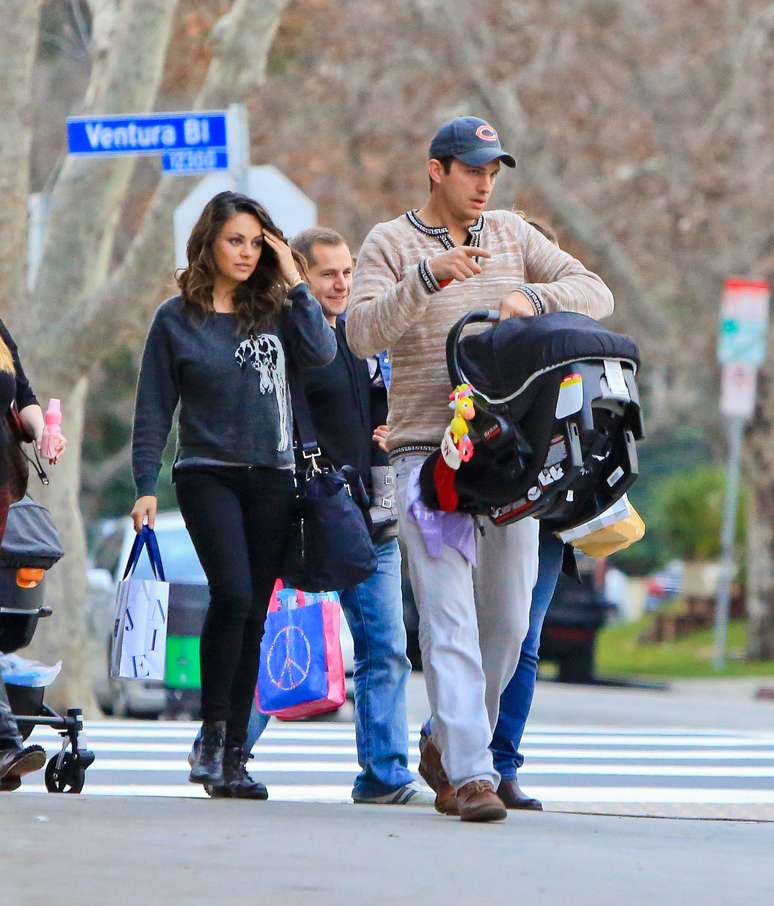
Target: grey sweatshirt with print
232,388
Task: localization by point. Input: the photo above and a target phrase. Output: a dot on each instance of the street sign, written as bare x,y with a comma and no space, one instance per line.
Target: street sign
743,322
154,134
290,208
194,160
737,394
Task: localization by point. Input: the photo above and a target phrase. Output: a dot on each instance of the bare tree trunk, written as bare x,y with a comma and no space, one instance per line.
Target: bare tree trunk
63,636
89,194
85,208
20,25
86,310
242,40
760,526
500,101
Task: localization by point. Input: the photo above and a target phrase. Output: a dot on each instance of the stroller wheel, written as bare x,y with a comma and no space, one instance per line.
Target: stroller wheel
69,777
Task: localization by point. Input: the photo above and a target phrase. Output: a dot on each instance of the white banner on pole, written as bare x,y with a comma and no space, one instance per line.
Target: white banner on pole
737,390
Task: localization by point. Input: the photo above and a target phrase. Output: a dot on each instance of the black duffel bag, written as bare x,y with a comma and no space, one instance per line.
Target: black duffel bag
330,548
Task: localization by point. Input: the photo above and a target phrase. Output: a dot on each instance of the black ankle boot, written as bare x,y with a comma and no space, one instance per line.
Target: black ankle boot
207,761
237,783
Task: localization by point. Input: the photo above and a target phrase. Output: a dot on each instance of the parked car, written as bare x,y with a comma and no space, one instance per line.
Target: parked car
577,612
111,542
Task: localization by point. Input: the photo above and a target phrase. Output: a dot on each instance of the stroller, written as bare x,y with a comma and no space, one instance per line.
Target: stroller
30,547
557,417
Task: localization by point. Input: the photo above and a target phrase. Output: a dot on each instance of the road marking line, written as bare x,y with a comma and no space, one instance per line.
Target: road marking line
307,766
345,727
331,793
536,753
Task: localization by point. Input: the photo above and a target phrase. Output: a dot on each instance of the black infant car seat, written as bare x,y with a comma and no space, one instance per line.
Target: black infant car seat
557,417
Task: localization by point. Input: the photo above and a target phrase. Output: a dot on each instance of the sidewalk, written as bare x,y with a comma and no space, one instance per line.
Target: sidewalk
82,851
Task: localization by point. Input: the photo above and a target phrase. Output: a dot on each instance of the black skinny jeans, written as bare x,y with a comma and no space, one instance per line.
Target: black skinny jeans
239,520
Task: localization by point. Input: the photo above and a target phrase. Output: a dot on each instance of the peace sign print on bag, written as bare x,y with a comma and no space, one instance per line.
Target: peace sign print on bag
266,355
289,659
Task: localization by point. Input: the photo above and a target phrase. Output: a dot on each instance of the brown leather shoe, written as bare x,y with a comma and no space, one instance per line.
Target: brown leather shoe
477,801
513,796
16,762
431,769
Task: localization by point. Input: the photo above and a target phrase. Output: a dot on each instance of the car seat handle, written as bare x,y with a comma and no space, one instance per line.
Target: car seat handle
480,316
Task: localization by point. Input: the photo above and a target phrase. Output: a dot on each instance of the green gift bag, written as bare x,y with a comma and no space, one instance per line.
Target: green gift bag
182,664
187,609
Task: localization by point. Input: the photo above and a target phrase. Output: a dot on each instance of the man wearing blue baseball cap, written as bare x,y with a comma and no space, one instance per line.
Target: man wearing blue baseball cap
417,275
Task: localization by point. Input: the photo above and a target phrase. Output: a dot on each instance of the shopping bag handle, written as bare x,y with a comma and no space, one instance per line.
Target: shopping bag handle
146,538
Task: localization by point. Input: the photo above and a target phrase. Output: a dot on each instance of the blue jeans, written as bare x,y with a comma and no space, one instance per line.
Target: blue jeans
516,698
374,612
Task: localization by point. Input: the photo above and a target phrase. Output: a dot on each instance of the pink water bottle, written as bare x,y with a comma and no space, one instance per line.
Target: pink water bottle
52,429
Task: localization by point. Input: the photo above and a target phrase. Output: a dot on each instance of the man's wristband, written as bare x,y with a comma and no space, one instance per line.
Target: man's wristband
534,298
428,277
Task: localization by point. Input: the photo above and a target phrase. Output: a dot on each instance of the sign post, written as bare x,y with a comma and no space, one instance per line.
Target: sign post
741,351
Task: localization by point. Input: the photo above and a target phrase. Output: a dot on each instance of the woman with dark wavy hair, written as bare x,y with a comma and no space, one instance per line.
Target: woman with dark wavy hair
219,351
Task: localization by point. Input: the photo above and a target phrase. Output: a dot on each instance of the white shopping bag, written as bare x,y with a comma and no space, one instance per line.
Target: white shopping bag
140,629
140,617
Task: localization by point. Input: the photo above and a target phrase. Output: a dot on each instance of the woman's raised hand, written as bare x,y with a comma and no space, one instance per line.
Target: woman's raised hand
285,257
144,508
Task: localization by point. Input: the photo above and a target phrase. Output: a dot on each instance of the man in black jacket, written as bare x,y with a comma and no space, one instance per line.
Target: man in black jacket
348,403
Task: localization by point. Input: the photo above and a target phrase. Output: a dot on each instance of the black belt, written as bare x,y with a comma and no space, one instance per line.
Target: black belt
408,449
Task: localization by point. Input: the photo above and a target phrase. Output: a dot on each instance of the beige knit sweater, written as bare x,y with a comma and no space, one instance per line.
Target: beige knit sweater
394,306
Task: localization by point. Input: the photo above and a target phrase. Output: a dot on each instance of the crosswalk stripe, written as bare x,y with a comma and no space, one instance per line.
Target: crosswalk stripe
568,765
531,739
533,752
623,795
316,727
260,767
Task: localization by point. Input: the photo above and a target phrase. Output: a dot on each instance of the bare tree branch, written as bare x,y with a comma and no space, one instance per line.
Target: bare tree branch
16,62
97,476
501,103
88,195
242,39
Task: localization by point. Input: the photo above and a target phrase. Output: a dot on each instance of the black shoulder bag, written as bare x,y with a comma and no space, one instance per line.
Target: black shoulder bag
330,547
